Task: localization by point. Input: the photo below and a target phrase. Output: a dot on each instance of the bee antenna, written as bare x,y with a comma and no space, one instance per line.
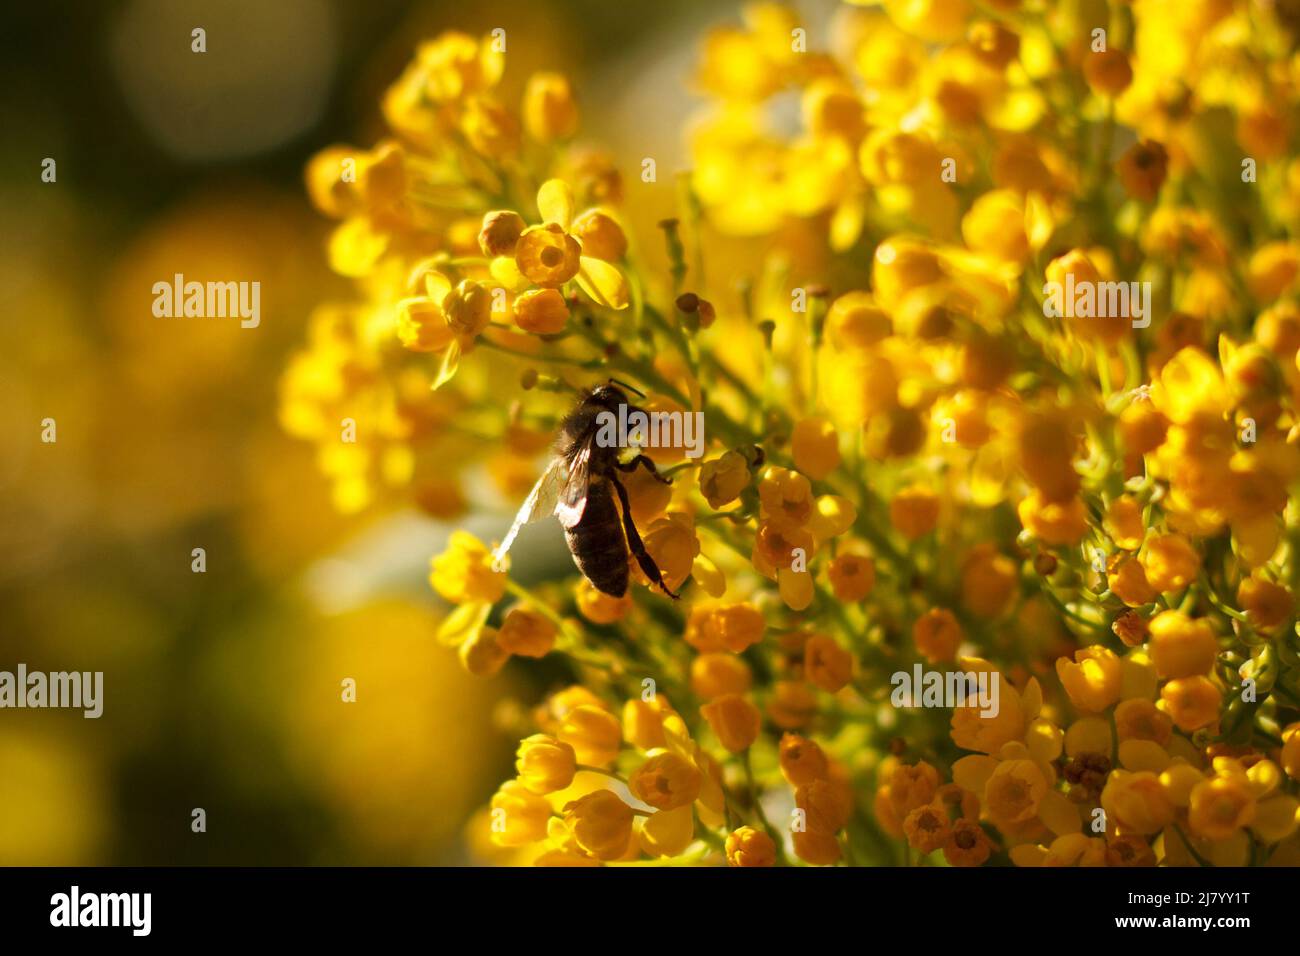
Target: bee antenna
630,388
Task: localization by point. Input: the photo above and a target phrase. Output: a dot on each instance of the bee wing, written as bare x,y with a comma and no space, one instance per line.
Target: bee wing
573,500
540,503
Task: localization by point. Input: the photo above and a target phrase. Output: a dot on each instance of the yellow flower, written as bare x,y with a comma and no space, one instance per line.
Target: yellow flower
668,832
1053,523
1170,561
911,786
666,781
785,497
545,764
601,824
600,236
1139,719
750,847
593,733
971,729
722,479
422,325
1142,169
599,607
853,321
968,845
995,225
827,805
464,572
815,447
802,760
816,847
737,626
674,545
643,723
1266,604
826,664
500,233
1014,791
1192,702
541,311
734,720
927,828
852,576
482,654
1136,802
1124,523
1182,647
988,581
1128,579
1220,807
518,815
937,635
547,255
713,675
549,110
914,511
1108,72
1092,679
468,308
1142,427
527,633
792,705
1189,385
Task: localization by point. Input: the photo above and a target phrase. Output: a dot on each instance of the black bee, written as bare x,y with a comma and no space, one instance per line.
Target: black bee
579,486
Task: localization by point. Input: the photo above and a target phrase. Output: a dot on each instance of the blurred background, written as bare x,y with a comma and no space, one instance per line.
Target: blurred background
222,689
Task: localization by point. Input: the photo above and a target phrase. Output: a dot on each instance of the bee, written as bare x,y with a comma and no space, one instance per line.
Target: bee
580,485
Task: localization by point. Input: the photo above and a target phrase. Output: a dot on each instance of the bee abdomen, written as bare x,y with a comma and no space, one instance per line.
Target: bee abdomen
597,544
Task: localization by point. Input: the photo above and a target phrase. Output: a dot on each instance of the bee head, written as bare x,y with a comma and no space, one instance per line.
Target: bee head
611,395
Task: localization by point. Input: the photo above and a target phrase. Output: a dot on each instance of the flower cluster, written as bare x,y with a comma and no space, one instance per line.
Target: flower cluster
996,343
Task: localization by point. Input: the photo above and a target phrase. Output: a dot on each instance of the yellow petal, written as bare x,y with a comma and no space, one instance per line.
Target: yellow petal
450,362
1031,701
833,516
708,576
846,224
1058,814
1044,740
506,272
1138,755
1088,735
1265,778
603,282
973,772
668,832
1028,854
796,588
436,285
1138,680
1276,818
1038,220
555,203
462,623
1014,750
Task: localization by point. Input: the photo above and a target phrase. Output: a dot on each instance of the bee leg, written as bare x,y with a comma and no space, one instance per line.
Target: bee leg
634,542
649,465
